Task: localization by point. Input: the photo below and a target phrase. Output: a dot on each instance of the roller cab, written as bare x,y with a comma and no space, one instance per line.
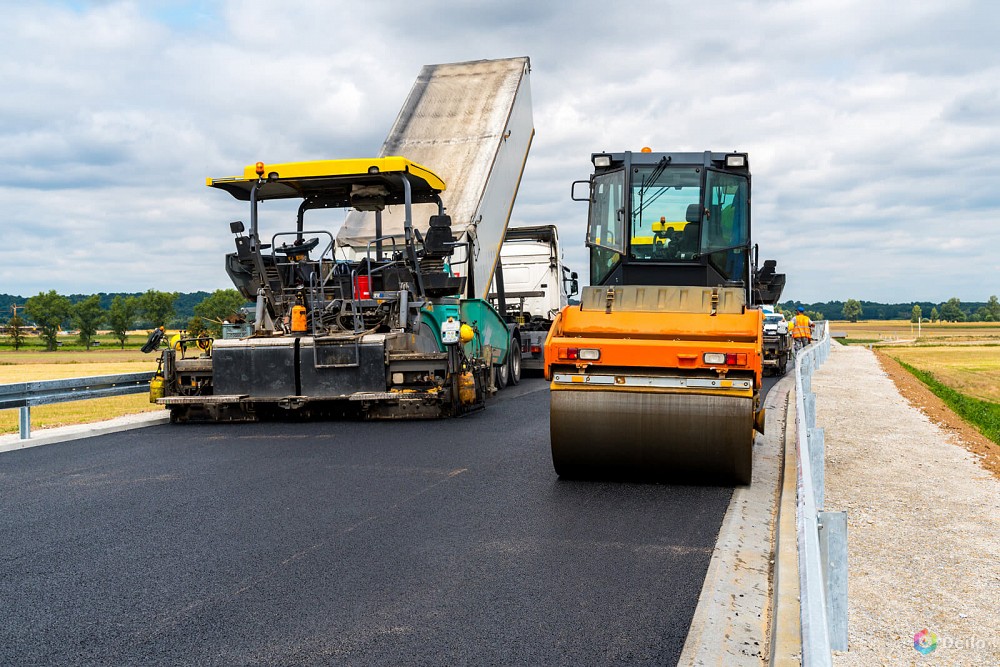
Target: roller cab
656,374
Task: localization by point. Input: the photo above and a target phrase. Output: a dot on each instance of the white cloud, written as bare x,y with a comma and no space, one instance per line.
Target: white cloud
871,126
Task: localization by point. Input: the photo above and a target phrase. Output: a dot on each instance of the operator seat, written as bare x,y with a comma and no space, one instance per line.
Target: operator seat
689,241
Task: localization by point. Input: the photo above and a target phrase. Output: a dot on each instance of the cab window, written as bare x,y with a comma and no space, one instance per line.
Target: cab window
727,223
666,210
606,224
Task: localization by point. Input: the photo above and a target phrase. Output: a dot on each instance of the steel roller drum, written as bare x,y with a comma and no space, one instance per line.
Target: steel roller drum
659,436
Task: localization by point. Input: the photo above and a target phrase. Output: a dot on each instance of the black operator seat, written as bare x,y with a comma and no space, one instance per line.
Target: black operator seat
692,230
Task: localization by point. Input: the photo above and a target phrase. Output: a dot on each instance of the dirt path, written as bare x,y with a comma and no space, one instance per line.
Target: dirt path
923,520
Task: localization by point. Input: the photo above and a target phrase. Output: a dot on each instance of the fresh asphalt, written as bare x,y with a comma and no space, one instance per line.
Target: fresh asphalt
344,543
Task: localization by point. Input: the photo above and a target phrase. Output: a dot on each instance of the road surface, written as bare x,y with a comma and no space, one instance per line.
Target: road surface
347,543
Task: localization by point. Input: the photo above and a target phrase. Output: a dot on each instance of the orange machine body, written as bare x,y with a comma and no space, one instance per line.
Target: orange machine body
650,341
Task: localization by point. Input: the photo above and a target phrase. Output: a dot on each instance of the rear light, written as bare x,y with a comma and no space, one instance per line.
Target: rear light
725,358
574,353
536,349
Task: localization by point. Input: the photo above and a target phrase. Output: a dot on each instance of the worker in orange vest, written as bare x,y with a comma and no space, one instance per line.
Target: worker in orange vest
801,329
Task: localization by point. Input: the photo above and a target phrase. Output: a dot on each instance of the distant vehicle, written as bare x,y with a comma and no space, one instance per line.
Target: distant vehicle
777,343
536,286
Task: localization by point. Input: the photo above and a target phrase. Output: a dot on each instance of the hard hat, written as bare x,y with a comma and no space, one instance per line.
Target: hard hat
801,309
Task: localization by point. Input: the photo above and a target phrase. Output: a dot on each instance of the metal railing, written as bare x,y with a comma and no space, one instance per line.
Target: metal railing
24,395
822,536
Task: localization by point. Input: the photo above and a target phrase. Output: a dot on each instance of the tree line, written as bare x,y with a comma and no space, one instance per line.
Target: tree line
952,310
48,313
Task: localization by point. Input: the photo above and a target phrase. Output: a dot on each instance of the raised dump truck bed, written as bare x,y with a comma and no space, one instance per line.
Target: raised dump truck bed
472,123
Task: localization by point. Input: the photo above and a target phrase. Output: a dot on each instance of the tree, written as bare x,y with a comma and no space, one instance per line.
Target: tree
993,308
121,317
222,304
852,310
87,316
934,314
196,327
952,310
15,327
915,313
157,308
48,310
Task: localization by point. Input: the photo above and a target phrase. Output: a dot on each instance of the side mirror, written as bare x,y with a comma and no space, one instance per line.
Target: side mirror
574,191
574,285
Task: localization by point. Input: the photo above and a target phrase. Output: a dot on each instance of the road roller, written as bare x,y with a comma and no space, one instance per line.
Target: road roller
656,373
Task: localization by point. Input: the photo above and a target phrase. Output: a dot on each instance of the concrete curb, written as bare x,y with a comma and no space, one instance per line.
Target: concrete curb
730,625
10,443
786,631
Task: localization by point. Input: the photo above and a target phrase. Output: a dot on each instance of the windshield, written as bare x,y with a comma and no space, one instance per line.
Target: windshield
666,202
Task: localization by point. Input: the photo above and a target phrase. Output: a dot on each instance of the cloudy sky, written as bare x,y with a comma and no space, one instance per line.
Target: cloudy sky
873,126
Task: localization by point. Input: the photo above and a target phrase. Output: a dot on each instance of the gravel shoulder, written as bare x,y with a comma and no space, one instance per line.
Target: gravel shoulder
923,521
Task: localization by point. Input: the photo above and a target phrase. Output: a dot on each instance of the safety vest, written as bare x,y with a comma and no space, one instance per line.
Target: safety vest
800,327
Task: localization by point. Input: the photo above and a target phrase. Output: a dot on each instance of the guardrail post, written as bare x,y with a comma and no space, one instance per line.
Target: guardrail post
833,554
816,462
25,422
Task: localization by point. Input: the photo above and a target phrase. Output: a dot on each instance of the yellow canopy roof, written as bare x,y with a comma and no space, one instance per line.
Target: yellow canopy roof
336,180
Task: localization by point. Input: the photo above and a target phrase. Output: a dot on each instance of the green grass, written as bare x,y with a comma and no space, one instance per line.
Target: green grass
984,415
858,341
35,343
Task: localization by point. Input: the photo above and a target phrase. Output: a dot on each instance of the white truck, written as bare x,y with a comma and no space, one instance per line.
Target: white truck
535,286
777,342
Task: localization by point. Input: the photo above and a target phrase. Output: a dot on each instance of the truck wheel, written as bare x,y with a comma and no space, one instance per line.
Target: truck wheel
783,364
500,375
514,362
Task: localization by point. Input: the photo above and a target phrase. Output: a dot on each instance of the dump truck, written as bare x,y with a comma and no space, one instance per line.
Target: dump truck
657,372
777,342
536,287
387,316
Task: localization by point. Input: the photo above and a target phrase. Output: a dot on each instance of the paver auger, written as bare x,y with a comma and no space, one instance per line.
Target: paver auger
657,372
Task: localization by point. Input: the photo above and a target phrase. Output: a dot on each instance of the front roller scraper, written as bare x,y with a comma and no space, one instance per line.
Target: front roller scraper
661,436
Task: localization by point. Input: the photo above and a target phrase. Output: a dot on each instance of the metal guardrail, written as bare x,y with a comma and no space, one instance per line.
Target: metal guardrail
24,395
822,536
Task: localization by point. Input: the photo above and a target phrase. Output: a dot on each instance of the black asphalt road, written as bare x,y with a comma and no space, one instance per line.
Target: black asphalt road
411,543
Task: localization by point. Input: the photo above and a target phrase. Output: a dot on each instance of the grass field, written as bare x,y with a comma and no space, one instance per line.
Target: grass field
973,370
927,333
36,365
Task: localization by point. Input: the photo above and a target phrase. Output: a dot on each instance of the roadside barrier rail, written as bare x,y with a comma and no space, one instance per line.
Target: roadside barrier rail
822,536
24,395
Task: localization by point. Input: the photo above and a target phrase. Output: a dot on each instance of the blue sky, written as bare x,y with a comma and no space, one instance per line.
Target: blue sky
872,126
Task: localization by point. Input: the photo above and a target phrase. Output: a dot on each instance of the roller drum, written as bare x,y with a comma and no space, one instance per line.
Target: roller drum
661,436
